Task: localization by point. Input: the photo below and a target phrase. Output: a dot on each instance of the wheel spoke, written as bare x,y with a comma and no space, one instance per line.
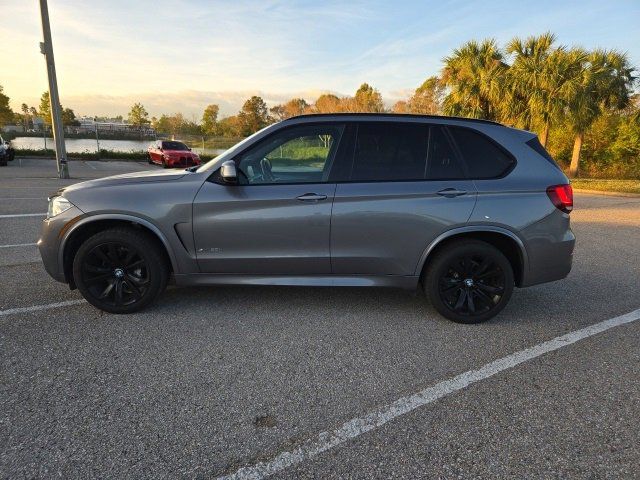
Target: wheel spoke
133,289
102,256
485,298
490,289
470,304
112,253
461,299
483,266
119,297
491,273
98,278
95,269
128,258
139,263
137,280
105,293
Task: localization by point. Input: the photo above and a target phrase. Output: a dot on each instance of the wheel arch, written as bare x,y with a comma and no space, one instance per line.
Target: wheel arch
503,239
96,223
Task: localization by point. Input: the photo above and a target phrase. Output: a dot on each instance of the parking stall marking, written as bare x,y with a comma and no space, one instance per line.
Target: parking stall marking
18,215
19,245
38,308
379,417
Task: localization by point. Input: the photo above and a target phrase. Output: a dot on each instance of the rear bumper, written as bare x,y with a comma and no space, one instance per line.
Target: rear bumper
550,261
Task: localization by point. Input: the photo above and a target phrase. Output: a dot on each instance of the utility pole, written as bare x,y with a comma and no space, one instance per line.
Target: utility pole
46,48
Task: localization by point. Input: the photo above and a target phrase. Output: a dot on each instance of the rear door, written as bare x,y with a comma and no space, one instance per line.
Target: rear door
277,219
406,186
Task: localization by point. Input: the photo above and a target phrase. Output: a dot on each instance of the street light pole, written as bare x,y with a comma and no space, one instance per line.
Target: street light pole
46,48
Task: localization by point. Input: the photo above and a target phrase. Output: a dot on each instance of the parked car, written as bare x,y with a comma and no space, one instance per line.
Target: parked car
7,154
172,154
465,209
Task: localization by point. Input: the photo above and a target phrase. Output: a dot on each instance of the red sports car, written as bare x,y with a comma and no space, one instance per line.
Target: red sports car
172,154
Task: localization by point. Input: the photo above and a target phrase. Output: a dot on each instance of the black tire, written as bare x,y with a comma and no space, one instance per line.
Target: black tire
149,160
164,163
469,281
120,270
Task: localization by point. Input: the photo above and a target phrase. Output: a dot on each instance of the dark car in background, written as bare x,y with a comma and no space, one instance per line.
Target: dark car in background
172,154
7,153
464,209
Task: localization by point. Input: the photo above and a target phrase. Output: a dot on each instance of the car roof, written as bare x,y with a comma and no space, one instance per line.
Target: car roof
388,116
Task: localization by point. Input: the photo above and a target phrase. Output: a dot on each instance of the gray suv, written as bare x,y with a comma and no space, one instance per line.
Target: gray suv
465,209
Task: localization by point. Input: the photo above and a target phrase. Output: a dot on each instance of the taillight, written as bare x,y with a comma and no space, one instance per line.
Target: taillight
561,196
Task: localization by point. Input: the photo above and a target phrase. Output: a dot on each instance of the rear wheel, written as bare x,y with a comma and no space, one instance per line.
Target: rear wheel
120,270
469,281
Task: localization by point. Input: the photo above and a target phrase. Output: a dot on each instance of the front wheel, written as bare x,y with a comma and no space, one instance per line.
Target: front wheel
120,270
469,281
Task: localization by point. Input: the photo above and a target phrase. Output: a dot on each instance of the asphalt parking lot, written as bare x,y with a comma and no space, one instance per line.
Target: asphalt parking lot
227,380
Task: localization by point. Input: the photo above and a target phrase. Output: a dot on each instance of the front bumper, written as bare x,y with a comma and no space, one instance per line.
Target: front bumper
52,233
183,161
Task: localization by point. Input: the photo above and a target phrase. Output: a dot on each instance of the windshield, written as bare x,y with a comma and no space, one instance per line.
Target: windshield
174,146
227,154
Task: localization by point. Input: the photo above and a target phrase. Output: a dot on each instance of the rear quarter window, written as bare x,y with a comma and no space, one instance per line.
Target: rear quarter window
535,144
484,158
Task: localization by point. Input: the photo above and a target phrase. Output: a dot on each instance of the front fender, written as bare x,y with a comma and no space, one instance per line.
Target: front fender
121,217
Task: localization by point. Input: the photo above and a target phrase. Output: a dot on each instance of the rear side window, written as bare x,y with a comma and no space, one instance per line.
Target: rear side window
483,158
386,152
535,144
442,163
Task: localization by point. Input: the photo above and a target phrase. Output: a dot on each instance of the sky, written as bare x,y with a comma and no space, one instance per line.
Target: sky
181,55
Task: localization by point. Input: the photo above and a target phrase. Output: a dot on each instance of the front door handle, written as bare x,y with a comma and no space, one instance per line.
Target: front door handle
451,192
311,197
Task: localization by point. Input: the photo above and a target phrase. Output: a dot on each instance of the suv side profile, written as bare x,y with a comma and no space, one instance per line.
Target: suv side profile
466,209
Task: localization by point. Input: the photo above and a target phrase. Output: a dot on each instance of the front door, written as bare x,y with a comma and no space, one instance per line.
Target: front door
277,219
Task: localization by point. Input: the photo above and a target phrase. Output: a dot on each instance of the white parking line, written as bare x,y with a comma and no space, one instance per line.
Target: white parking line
37,308
358,426
18,215
19,245
23,198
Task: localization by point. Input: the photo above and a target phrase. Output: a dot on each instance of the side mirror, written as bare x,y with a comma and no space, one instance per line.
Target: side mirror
228,172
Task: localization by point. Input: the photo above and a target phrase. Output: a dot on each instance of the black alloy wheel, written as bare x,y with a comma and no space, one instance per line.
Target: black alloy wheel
120,270
469,282
115,274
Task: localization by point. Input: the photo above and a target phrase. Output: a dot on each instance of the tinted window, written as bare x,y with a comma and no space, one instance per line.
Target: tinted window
442,162
292,155
484,159
389,152
537,146
174,146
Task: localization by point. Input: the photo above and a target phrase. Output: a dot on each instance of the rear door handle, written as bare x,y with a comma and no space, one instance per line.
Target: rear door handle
451,192
311,197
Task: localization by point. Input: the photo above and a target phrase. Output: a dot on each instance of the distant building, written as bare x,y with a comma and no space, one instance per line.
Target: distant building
89,125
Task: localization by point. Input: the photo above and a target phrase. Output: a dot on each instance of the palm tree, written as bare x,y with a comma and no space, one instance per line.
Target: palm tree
475,76
533,82
605,83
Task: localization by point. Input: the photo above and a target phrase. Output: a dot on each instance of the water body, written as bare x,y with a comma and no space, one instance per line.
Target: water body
79,145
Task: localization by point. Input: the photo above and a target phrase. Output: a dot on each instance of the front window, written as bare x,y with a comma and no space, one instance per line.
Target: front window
174,146
294,155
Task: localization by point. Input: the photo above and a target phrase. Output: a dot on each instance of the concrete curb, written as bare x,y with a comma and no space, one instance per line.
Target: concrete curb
607,194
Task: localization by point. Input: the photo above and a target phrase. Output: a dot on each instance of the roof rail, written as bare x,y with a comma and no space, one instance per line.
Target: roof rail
392,115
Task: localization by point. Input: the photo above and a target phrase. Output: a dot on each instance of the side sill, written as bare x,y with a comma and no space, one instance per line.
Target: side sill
397,281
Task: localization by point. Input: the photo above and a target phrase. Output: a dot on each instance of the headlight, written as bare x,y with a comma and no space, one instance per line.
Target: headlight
57,205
